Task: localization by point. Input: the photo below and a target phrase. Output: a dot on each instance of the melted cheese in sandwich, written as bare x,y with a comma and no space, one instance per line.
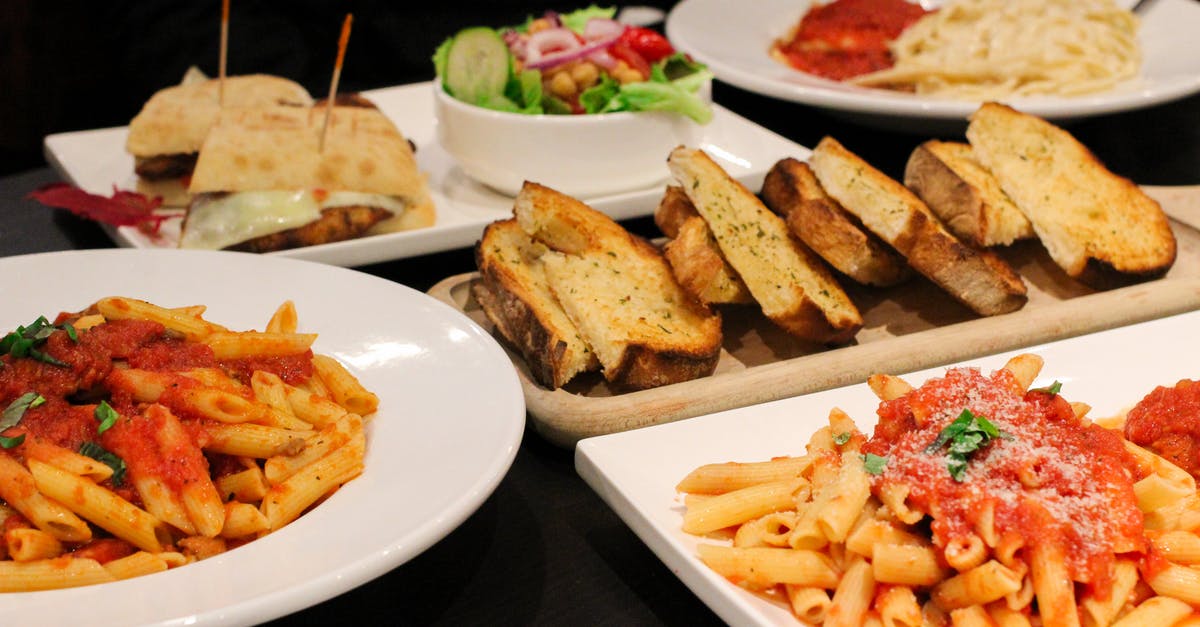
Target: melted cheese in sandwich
216,221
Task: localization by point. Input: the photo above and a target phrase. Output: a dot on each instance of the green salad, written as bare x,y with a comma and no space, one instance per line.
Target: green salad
572,63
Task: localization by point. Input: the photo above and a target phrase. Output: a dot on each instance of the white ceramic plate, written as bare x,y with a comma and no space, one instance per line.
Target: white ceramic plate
433,453
733,39
635,472
96,160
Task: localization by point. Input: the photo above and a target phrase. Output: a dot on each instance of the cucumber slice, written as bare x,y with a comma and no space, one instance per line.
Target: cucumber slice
477,65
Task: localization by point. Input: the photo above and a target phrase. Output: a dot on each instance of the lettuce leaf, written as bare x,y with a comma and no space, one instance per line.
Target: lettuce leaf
576,20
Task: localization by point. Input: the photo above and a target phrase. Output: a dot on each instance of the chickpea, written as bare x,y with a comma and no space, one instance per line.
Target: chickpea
585,75
562,85
625,74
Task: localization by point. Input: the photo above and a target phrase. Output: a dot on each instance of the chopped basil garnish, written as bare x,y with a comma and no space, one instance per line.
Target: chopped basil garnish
100,454
874,464
22,342
7,443
841,438
16,409
1053,388
106,415
967,434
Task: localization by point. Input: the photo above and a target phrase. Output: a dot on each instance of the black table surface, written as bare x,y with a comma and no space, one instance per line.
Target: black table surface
544,549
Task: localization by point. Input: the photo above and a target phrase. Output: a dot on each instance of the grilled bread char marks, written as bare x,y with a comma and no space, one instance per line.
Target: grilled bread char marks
790,283
964,194
978,279
792,191
617,289
1099,227
694,255
516,297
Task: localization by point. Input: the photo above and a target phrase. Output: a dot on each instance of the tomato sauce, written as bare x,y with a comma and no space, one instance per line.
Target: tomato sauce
847,38
145,442
293,369
1167,422
1051,479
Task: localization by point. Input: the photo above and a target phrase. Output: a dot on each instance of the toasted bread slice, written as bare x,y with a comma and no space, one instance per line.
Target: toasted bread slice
978,279
673,210
790,283
516,297
1099,227
694,255
792,191
964,194
699,267
619,291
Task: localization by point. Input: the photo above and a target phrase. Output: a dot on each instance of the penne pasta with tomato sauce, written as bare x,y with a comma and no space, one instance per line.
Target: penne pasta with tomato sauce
136,441
984,502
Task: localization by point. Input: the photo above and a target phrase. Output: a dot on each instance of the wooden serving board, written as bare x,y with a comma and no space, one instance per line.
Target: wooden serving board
908,327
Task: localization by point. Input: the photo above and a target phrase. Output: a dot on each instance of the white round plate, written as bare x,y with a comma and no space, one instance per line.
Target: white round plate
734,38
450,420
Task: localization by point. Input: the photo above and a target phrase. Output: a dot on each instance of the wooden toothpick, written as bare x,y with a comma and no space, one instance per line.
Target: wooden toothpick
337,74
224,53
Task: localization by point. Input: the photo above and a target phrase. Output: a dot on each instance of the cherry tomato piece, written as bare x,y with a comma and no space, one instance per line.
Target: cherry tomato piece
652,46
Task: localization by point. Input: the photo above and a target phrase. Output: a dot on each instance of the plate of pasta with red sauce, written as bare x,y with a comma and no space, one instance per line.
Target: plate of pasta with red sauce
897,60
1054,485
236,437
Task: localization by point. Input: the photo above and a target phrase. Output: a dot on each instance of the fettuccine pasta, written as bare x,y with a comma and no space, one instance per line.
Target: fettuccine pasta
988,49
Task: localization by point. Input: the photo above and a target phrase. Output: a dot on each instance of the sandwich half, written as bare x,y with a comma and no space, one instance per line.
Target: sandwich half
262,182
165,137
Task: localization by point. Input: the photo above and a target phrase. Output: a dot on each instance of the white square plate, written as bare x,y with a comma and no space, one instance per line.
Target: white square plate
96,160
635,472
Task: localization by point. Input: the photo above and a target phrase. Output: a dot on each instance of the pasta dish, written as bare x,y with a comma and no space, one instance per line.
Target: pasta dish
136,438
988,49
976,501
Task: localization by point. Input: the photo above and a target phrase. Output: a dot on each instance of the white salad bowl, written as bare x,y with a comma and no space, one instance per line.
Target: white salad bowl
580,155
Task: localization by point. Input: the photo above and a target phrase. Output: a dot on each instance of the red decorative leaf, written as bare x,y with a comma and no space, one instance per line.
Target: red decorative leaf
123,208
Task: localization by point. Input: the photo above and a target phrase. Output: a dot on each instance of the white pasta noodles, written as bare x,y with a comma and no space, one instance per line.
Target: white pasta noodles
986,49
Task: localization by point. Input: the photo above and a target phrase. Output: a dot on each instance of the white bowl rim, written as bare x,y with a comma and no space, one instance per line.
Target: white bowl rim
549,118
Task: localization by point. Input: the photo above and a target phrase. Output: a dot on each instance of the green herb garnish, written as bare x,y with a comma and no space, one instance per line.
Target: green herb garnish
841,438
100,454
106,415
23,341
16,409
1053,388
874,464
967,434
7,443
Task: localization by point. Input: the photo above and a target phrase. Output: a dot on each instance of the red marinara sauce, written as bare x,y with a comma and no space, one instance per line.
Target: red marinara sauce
1052,480
1167,422
847,38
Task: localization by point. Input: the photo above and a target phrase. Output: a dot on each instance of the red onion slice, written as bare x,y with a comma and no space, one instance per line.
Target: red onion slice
599,28
537,60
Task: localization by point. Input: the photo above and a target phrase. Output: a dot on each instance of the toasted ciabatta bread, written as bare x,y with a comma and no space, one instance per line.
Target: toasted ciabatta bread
515,296
966,197
792,191
619,291
978,279
1097,226
694,255
790,283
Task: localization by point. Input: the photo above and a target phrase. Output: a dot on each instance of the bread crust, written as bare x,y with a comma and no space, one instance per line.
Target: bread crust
520,315
964,195
699,267
791,190
978,279
673,210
